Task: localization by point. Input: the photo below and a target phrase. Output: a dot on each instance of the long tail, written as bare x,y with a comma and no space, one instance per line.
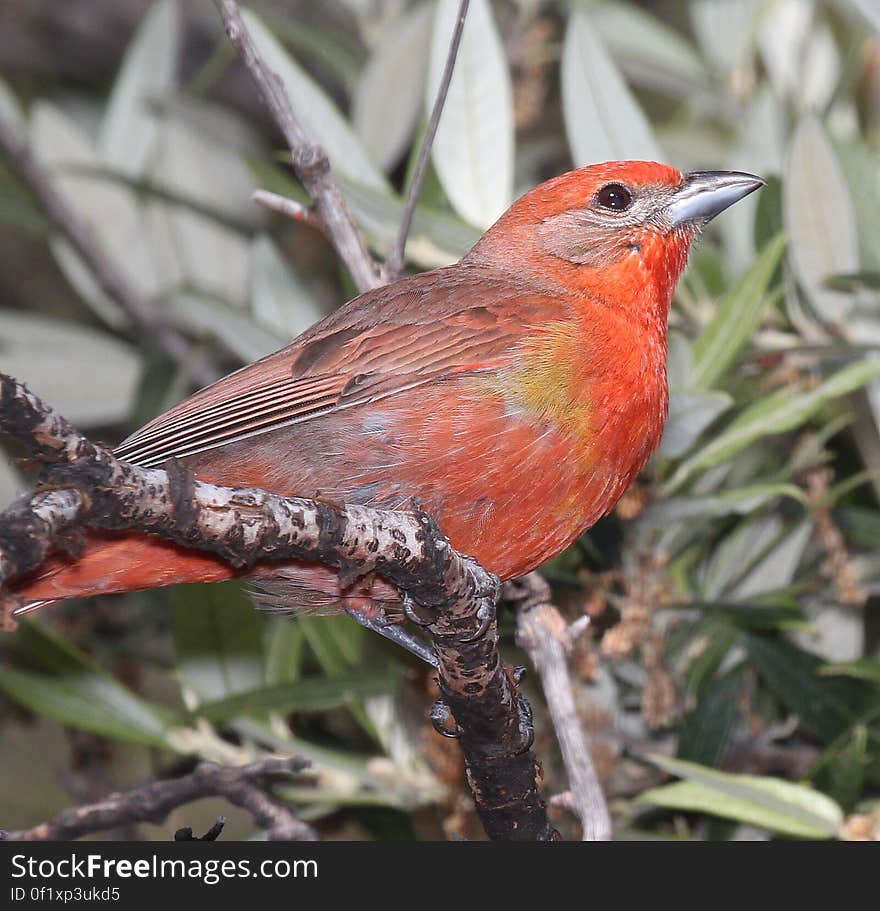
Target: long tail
112,564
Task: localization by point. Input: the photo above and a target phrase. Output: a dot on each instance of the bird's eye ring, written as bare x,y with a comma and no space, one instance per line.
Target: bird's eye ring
614,196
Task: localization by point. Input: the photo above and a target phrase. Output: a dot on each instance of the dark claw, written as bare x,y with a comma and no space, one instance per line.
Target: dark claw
410,613
396,634
440,716
519,673
485,614
526,724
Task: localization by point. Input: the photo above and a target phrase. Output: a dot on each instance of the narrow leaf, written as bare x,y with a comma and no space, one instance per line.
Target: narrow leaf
473,148
603,121
738,316
820,220
319,116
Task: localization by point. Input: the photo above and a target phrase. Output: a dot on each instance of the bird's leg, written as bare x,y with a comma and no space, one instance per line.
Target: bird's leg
386,627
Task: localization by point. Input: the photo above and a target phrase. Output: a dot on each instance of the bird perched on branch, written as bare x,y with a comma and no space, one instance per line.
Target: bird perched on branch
515,394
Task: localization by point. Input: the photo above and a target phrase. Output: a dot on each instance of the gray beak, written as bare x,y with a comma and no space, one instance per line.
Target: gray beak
706,193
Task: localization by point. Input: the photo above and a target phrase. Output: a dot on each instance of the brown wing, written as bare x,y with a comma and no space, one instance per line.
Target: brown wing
397,337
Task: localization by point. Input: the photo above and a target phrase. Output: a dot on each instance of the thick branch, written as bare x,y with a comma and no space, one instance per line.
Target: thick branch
541,632
109,277
449,594
309,160
240,785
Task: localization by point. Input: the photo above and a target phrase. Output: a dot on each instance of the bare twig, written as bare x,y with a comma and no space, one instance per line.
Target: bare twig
309,160
449,594
286,206
240,785
82,238
394,263
541,631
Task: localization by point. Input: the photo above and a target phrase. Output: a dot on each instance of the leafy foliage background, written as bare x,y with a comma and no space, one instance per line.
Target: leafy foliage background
729,676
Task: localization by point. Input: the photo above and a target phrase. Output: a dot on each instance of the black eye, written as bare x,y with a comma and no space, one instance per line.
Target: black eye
614,196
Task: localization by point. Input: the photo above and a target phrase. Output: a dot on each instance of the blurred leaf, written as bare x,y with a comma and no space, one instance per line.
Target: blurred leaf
320,118
315,695
826,706
129,130
191,247
725,30
768,216
86,702
844,767
388,96
473,147
776,413
771,803
217,642
690,413
109,208
278,300
215,319
10,111
603,121
706,731
738,316
284,645
854,281
861,669
648,50
75,691
776,569
820,220
870,10
89,376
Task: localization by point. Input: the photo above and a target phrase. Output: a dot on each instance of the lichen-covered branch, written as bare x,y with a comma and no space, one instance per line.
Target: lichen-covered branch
240,785
449,594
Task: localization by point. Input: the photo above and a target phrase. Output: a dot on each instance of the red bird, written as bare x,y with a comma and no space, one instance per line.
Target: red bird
516,394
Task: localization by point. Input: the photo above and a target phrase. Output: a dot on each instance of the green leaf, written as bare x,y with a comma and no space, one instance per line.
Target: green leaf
217,641
315,695
603,121
820,220
705,733
690,413
129,129
76,691
826,706
319,116
89,376
473,147
791,809
649,51
388,97
738,316
279,301
776,413
860,669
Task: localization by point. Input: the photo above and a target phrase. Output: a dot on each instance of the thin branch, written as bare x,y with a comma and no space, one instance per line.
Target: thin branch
240,785
396,258
541,631
109,277
450,595
285,206
309,160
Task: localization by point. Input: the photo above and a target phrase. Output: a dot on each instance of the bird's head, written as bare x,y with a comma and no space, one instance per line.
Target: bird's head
620,230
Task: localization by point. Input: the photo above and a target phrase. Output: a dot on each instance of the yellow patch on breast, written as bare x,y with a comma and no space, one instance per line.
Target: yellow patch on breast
541,383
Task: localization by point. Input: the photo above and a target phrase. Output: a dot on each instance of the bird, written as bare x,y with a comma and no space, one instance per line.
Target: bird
515,394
